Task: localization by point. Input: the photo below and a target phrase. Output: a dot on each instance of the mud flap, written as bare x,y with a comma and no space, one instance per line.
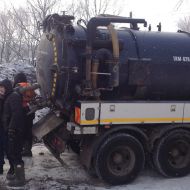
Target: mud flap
56,153
44,129
46,125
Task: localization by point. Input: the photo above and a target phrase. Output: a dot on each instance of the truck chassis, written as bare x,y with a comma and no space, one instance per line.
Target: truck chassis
116,139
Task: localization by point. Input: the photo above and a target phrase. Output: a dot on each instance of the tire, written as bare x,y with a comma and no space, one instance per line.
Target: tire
75,147
172,154
119,159
92,172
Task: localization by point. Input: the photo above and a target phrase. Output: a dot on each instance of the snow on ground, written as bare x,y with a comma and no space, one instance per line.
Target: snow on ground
43,172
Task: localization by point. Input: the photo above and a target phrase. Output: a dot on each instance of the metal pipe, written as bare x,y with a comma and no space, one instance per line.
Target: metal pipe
91,35
102,55
88,64
95,66
105,21
115,43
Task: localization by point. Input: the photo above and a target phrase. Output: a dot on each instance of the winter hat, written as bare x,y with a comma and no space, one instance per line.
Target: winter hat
8,86
20,77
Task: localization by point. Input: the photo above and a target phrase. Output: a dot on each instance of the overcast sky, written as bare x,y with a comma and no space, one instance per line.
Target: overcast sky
164,11
154,11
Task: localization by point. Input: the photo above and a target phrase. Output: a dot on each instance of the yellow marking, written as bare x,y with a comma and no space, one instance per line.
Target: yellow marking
133,120
139,120
91,122
186,119
55,62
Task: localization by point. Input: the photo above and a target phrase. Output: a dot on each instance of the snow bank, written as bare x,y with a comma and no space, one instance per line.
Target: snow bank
9,70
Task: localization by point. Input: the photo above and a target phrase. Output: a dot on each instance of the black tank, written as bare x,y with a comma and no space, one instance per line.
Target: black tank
152,65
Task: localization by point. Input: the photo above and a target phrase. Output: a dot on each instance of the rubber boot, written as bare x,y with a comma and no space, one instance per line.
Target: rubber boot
19,179
11,173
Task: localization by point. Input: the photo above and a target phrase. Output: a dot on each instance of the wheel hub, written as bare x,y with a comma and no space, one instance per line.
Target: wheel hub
179,154
121,160
117,158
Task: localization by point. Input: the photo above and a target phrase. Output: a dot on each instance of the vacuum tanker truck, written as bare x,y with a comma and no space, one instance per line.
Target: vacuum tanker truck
119,97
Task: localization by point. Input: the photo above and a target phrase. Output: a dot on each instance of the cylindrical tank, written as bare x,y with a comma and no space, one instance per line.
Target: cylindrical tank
152,65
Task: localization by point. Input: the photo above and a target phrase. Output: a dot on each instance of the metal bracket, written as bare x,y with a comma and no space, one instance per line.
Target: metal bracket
81,130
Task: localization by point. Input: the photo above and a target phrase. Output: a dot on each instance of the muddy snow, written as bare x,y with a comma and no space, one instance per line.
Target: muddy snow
43,172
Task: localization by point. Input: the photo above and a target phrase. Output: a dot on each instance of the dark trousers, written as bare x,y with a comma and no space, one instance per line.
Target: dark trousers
28,137
2,145
14,147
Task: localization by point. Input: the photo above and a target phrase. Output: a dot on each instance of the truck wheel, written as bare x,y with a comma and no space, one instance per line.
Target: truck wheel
74,145
172,154
119,159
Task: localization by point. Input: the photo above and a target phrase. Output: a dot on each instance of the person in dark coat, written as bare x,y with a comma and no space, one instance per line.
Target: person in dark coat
13,124
2,134
20,80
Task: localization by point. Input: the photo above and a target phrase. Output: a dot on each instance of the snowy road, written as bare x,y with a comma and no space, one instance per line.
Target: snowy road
44,172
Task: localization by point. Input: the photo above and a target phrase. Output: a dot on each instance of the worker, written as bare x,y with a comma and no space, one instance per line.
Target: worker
2,135
20,80
13,124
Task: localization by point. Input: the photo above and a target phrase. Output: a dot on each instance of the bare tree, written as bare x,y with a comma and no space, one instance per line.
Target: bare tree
86,9
179,4
39,9
7,36
184,24
3,36
27,20
19,31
